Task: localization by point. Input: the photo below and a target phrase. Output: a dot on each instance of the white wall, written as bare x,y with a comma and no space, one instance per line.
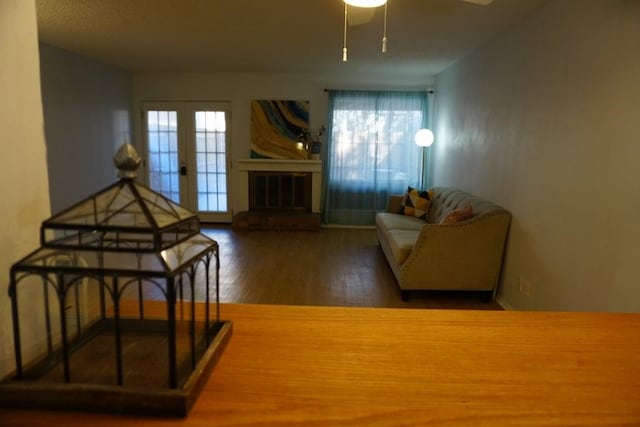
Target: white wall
240,89
86,113
24,187
544,121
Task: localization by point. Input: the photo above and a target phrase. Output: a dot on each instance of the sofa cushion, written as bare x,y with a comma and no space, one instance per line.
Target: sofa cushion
458,215
401,243
416,203
392,221
447,199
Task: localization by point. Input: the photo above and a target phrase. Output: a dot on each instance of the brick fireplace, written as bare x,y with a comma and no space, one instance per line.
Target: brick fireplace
281,194
279,191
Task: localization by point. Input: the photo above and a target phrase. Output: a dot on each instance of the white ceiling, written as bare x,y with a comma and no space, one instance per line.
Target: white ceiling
273,36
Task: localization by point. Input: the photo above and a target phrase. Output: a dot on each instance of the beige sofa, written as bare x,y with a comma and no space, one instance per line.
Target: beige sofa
428,255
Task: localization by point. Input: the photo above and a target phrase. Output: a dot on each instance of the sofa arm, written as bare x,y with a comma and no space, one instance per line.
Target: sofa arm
394,203
463,256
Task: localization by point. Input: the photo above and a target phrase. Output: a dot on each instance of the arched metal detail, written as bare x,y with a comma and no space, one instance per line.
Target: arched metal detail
44,276
99,279
137,281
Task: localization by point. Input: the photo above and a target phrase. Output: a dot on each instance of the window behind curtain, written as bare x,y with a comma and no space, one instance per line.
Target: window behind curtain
371,152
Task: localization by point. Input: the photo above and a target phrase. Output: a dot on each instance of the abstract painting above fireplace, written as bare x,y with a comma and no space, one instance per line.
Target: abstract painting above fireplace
275,128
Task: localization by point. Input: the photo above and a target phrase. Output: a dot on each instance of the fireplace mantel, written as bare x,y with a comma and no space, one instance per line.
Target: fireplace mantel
280,165
284,165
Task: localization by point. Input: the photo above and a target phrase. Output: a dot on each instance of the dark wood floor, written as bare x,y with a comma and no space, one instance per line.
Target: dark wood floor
334,266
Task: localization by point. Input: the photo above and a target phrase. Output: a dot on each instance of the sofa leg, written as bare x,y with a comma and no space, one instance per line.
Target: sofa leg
405,296
487,296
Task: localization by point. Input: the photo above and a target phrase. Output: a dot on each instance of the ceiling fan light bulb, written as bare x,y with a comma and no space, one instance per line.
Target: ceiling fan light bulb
365,3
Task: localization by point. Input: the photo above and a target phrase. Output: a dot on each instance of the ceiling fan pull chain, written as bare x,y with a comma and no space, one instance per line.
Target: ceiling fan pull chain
384,33
344,37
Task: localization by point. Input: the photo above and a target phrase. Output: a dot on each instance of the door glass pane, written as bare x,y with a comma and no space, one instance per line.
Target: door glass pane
211,161
162,137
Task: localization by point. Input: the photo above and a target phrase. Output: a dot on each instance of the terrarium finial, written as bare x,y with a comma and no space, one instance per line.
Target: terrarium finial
127,161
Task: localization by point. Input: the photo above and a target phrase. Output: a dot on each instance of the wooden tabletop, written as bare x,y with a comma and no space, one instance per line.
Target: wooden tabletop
338,366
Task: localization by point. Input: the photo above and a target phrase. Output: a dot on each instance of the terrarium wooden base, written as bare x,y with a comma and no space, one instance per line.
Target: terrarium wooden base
148,396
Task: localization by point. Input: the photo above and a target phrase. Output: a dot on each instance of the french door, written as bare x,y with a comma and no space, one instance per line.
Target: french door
186,155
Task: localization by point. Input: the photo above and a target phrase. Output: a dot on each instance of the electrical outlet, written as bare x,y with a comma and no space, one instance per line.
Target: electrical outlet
524,285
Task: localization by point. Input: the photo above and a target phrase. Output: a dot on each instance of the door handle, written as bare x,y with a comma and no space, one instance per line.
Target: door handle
183,170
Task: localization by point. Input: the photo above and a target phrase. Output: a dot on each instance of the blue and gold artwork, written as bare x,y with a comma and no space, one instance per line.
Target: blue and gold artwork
275,128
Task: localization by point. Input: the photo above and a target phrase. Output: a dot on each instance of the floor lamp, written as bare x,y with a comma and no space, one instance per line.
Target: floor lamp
423,138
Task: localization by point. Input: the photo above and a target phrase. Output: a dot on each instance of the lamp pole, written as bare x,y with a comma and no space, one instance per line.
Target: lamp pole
423,138
423,154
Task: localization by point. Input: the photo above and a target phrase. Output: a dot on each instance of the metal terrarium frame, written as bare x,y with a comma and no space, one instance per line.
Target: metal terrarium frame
117,277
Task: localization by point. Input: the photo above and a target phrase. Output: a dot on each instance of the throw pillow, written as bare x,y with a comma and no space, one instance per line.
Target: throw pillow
458,215
416,203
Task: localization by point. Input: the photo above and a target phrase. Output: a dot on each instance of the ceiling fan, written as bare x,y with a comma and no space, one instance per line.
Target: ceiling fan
362,11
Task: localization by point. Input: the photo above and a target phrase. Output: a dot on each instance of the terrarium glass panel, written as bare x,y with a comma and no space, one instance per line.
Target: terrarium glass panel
163,210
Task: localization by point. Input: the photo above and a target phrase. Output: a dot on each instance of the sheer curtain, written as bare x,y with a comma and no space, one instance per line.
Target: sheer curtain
370,152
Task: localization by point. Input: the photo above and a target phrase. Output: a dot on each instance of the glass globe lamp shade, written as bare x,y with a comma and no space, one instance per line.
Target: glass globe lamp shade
424,138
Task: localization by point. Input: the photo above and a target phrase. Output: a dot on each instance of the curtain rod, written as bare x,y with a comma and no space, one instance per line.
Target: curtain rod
429,91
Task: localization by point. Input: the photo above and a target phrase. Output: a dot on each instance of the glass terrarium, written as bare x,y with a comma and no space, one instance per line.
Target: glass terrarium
121,305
